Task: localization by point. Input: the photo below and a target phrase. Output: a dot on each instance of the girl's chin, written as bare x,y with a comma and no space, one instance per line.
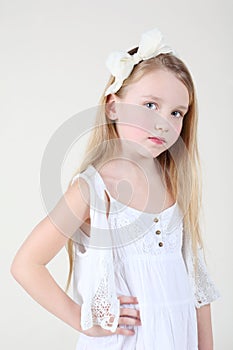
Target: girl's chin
156,153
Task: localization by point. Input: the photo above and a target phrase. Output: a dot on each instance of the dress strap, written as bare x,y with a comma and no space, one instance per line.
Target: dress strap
99,182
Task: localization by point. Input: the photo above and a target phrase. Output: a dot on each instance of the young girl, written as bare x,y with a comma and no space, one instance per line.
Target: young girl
130,217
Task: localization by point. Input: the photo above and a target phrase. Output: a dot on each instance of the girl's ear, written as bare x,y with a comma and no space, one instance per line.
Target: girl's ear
110,107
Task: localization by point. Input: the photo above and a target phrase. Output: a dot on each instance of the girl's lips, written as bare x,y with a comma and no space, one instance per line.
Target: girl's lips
156,139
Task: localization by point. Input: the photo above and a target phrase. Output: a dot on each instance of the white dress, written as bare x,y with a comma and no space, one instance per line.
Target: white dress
148,263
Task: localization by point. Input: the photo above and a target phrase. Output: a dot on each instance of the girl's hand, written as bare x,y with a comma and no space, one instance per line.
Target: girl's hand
128,316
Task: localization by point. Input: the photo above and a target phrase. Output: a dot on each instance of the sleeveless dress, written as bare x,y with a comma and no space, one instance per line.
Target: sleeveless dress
147,263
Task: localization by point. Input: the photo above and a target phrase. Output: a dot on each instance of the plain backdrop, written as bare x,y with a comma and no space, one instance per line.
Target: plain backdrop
52,66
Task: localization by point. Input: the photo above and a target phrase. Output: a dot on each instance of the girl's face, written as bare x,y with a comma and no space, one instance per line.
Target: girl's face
152,107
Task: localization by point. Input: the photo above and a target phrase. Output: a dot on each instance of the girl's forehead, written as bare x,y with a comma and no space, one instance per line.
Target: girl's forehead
159,83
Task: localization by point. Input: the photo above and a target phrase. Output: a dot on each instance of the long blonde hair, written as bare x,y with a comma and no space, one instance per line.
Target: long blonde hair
183,177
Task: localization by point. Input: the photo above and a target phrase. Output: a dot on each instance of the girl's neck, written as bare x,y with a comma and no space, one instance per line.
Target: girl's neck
121,167
136,185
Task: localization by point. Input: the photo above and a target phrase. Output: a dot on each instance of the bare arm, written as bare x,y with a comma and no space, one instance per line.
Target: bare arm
205,335
44,242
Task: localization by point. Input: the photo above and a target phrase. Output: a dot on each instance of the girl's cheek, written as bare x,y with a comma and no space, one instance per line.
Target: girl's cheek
177,127
132,132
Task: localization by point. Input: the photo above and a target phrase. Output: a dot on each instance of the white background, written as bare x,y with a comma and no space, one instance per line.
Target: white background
52,66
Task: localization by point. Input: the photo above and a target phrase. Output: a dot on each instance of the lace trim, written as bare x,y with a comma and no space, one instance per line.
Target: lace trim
205,290
203,287
104,307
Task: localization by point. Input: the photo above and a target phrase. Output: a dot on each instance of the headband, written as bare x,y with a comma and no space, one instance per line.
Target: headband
120,64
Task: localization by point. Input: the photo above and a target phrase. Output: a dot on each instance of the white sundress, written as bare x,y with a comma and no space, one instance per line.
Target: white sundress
148,264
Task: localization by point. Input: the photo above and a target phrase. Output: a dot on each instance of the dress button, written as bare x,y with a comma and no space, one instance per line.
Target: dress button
158,232
156,219
160,244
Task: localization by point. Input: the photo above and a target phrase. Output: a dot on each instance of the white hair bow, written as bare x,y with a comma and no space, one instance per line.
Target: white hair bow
121,64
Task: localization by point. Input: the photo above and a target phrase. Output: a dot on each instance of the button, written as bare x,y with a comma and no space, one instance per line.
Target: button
199,301
160,244
156,219
157,232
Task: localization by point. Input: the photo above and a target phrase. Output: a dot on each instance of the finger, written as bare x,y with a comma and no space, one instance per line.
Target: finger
129,321
127,299
130,312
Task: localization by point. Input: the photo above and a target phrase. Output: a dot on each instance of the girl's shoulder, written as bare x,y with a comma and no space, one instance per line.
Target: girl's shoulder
75,203
98,178
94,187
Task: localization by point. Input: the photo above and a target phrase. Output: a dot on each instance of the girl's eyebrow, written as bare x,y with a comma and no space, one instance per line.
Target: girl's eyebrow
160,99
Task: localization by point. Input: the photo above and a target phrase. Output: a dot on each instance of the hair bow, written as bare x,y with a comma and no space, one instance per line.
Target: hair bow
121,64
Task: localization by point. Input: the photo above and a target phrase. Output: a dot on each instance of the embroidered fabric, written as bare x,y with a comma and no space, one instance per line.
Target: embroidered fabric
171,242
204,289
102,308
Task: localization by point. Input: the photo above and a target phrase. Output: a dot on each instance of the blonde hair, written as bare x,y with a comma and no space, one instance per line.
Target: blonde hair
183,177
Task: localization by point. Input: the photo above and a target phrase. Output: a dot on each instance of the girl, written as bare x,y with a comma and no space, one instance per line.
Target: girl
130,217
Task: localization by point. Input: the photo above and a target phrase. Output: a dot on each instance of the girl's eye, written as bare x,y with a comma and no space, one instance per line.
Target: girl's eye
151,105
177,114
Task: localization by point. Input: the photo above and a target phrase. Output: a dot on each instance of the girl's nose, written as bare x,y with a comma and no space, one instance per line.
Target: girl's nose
161,126
161,123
